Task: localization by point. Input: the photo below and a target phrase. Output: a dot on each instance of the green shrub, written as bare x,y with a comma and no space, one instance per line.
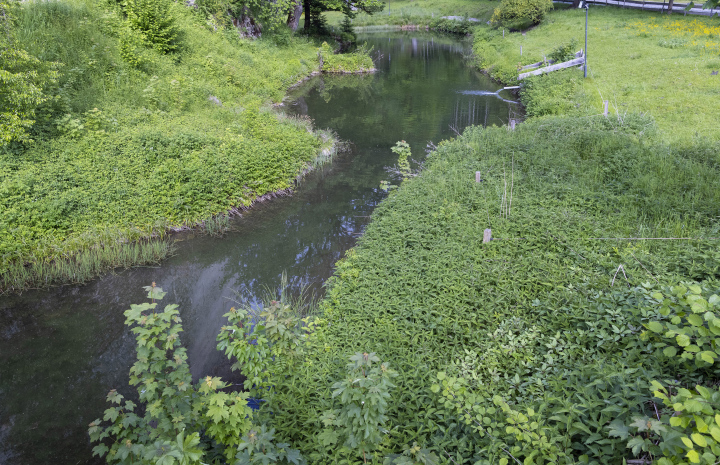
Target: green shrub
520,14
155,20
564,52
356,62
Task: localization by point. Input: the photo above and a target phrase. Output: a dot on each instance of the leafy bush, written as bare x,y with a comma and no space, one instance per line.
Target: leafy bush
520,14
564,52
25,81
356,62
175,412
154,19
463,27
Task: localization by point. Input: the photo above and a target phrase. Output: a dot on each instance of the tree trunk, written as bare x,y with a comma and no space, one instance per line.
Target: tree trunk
308,16
247,25
670,6
576,4
294,16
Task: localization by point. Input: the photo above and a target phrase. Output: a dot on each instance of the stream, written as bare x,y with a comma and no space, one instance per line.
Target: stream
62,349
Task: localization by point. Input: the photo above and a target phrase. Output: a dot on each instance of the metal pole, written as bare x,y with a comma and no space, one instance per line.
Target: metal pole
586,25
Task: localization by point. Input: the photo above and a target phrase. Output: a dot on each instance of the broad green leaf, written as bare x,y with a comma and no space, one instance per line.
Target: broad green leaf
707,356
688,443
693,456
699,439
655,326
695,319
715,432
618,428
683,340
670,351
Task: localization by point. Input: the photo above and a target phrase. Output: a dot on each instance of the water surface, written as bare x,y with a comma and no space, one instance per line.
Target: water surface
63,349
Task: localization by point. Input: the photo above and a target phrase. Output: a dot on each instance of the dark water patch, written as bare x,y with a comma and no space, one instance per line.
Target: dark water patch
63,349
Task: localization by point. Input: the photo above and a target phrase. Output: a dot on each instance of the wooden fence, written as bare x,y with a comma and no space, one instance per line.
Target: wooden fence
537,70
652,6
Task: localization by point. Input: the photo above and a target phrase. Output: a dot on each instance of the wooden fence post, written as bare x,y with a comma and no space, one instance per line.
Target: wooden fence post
478,178
512,124
605,109
487,235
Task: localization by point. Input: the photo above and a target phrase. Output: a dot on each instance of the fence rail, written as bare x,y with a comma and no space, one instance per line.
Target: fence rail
651,6
578,60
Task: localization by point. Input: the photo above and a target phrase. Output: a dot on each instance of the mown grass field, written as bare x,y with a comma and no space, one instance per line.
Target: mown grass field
639,61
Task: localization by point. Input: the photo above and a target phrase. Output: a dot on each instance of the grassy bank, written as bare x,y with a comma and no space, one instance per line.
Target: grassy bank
640,62
542,345
133,141
551,305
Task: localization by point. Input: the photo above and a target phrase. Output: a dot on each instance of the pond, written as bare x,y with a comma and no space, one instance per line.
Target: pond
62,349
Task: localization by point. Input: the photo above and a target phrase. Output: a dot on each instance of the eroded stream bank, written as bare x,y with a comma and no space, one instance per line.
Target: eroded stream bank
63,349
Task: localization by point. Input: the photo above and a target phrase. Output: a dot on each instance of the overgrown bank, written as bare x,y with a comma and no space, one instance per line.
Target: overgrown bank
553,343
132,138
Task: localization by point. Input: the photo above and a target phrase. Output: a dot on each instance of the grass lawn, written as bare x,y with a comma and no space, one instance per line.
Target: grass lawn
639,61
419,12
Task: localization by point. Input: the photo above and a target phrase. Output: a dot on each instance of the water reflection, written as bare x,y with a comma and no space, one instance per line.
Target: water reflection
62,349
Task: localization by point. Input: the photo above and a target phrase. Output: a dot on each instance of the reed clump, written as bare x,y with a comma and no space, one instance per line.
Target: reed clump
85,265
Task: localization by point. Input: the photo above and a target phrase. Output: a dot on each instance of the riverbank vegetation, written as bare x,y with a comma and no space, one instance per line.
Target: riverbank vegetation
552,343
131,122
586,331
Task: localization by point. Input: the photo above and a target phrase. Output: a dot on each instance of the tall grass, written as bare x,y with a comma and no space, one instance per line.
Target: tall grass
85,265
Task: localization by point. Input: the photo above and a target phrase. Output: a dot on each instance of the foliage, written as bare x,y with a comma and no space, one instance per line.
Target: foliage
564,52
258,447
169,427
423,13
25,81
265,343
357,62
520,14
690,325
402,168
557,93
363,397
315,22
546,349
154,19
414,455
125,150
463,27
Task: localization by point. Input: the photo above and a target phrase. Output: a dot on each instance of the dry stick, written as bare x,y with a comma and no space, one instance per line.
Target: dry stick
451,459
616,272
503,202
512,182
648,272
